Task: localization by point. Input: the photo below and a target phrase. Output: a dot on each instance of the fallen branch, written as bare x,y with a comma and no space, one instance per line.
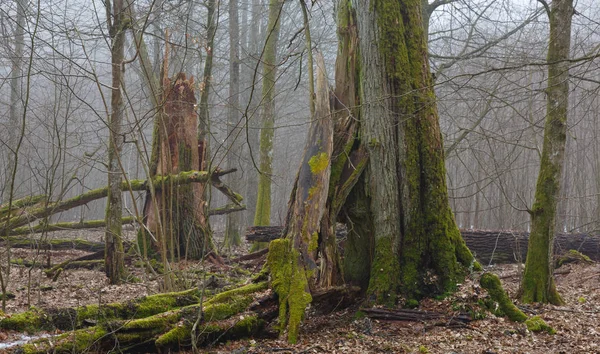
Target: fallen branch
134,185
62,226
50,244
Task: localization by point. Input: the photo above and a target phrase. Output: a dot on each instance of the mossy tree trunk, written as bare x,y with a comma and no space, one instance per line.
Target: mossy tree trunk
262,214
418,249
114,255
538,281
234,137
181,225
251,100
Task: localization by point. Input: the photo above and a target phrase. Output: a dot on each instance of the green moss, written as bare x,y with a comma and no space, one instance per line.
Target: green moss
537,324
411,304
80,341
573,256
221,311
290,282
492,284
319,162
245,327
30,321
384,281
242,290
175,337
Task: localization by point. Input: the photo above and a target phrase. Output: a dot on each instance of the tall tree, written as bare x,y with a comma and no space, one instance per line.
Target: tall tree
16,75
262,214
418,249
251,99
538,281
114,255
233,221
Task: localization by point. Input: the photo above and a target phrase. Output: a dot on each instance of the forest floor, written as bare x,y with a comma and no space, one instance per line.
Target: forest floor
342,331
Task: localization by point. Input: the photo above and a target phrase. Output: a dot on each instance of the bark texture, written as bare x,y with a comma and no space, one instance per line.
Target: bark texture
262,214
538,281
418,247
292,260
114,257
177,215
234,138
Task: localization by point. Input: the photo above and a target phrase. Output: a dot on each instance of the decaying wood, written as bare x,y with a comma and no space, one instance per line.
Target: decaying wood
52,244
62,226
488,246
26,215
160,322
415,315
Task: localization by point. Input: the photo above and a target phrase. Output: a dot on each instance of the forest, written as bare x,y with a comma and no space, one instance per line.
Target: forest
295,176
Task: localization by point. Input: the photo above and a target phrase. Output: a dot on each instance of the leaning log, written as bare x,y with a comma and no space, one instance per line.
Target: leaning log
134,185
489,247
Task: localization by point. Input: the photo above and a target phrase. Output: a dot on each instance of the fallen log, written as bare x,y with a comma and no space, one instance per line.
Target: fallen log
414,315
488,246
163,322
134,185
52,244
62,226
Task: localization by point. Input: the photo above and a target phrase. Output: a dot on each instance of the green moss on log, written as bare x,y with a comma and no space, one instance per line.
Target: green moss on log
35,319
537,324
492,284
80,341
573,256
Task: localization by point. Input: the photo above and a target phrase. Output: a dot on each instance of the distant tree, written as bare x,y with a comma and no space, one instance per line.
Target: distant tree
262,214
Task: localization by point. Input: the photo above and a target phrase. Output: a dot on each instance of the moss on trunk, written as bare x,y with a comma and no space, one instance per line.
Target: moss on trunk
290,281
262,216
491,283
538,281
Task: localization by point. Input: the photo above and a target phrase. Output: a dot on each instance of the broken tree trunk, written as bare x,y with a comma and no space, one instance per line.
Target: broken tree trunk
489,247
177,215
292,261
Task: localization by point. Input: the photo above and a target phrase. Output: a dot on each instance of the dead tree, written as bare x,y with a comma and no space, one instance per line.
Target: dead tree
176,216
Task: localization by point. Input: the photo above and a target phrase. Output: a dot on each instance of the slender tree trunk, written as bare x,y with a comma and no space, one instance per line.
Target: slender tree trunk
538,281
204,127
262,214
233,221
14,114
114,257
252,119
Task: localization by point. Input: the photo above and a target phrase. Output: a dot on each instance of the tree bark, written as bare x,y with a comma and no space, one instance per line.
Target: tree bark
234,151
292,260
114,257
181,225
538,281
262,214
